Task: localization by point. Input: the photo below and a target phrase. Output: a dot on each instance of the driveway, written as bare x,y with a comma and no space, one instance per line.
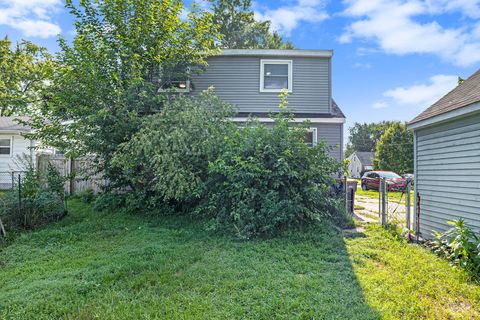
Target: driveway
368,209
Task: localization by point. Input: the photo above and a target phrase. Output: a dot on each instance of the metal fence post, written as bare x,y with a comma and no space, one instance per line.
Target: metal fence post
383,187
407,204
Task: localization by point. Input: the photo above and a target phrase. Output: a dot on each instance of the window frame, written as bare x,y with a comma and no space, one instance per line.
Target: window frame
10,147
289,63
314,132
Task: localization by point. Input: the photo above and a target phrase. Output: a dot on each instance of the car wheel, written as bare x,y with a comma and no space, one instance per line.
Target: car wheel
364,187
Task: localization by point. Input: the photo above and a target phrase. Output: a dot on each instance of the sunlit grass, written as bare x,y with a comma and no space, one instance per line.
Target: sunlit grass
116,266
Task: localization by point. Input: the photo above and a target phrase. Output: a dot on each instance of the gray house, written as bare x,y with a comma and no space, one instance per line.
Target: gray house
447,159
253,79
359,162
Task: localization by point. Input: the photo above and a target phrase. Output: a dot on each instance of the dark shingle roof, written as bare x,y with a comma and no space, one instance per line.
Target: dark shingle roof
10,124
336,111
366,158
463,95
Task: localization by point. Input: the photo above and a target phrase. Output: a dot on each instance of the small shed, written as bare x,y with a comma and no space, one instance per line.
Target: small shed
359,162
13,145
447,160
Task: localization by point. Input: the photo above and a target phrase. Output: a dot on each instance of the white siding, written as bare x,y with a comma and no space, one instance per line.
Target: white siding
355,166
20,147
448,174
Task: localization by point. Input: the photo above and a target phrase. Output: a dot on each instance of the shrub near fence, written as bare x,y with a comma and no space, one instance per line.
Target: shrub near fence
34,200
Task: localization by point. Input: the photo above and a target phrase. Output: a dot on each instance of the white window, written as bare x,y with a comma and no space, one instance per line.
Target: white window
275,75
311,137
5,147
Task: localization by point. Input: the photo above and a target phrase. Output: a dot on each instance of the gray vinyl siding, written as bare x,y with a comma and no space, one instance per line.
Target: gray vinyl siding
237,80
448,174
331,133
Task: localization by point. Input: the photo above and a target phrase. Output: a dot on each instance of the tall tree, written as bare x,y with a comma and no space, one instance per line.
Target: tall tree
240,29
364,136
110,77
394,150
26,71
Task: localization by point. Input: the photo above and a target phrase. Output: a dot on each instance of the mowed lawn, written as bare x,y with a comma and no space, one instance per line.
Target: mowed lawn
116,266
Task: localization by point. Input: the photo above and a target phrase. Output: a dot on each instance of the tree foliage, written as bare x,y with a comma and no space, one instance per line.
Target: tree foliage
364,136
124,51
26,71
267,179
394,150
167,159
240,29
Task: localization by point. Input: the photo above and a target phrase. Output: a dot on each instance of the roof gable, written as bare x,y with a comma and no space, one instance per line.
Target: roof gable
463,95
366,158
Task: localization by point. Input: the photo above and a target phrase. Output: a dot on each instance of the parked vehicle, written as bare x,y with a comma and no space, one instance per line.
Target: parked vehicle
371,180
408,176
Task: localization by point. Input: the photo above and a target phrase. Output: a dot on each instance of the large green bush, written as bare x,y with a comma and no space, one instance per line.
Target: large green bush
253,178
167,160
267,179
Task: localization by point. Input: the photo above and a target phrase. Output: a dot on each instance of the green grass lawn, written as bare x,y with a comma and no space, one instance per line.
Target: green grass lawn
393,195
116,266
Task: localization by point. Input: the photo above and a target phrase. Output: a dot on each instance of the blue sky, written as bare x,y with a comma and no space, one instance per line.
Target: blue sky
392,58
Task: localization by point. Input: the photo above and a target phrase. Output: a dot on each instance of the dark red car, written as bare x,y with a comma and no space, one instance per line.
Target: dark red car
371,180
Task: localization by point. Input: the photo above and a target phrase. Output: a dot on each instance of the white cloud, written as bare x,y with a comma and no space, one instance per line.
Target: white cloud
423,95
32,17
380,105
360,65
392,25
287,18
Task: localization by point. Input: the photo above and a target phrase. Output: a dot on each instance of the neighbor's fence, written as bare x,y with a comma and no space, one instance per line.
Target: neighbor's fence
24,207
8,179
79,173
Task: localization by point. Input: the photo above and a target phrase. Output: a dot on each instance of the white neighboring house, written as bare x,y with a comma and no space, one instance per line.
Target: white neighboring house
360,162
12,146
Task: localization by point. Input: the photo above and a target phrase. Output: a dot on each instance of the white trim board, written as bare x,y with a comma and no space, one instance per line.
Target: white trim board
278,53
295,120
446,116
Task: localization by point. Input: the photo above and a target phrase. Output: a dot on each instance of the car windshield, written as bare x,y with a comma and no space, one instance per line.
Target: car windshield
388,175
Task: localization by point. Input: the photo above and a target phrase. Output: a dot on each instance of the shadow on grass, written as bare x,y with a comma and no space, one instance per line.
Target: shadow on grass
124,267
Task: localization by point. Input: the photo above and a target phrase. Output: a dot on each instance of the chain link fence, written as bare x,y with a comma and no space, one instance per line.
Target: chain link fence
8,179
27,202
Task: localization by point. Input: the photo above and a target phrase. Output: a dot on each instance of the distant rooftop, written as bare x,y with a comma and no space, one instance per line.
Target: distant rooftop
463,95
366,158
278,53
9,124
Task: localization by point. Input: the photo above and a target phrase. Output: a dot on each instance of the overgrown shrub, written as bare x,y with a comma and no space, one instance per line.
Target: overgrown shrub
267,179
254,179
460,245
167,160
36,200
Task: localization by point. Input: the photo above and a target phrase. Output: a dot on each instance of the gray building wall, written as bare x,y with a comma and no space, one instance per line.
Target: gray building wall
448,173
237,80
332,134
